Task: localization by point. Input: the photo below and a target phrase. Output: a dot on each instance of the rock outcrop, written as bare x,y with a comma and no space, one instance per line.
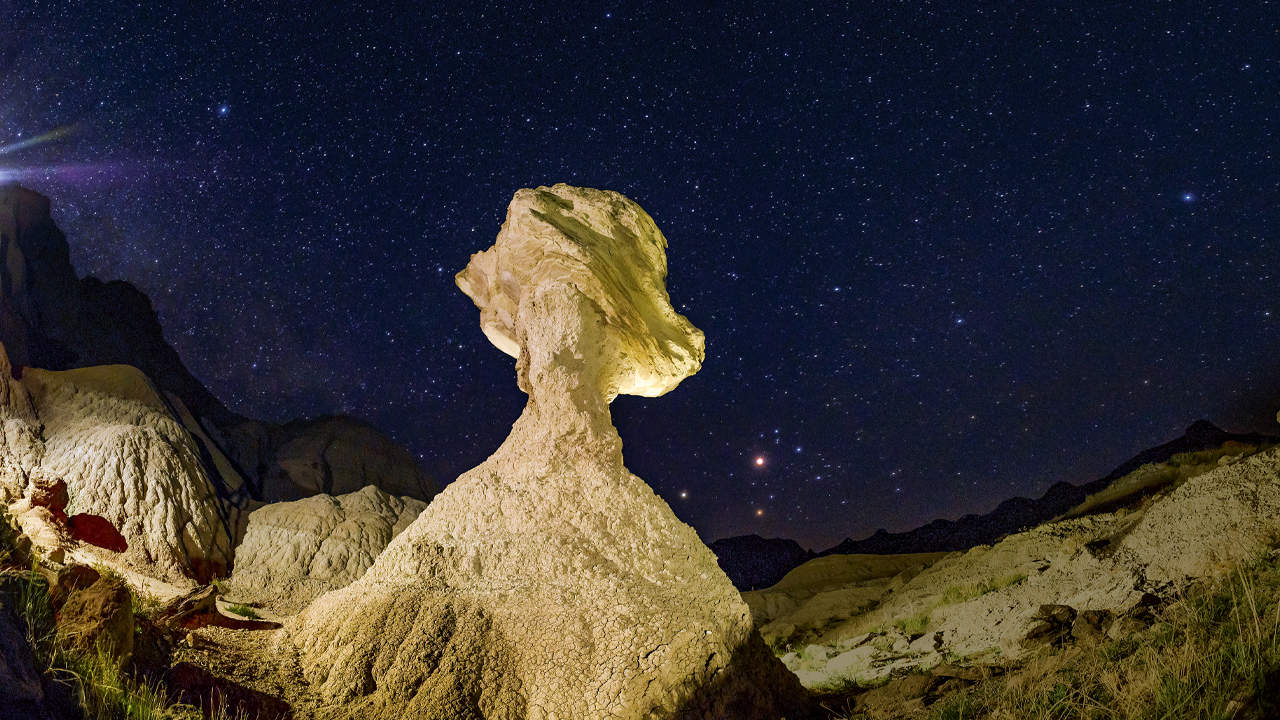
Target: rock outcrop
52,319
753,562
295,551
333,455
1069,581
550,582
127,460
93,458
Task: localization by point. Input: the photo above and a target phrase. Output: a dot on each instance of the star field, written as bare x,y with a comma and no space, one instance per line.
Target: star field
942,255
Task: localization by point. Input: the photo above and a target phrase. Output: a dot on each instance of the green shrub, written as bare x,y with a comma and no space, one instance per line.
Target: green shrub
914,625
243,611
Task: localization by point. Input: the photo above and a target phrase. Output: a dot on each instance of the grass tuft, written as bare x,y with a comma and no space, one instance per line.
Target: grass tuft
243,611
963,593
103,689
914,625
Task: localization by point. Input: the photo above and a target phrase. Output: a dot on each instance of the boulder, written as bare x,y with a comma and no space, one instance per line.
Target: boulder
99,617
295,551
66,579
550,582
21,688
1051,625
1091,626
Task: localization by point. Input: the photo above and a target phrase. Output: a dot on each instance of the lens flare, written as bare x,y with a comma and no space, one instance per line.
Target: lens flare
52,135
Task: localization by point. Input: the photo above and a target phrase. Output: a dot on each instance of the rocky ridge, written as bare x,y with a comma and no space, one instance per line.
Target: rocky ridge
1020,513
52,319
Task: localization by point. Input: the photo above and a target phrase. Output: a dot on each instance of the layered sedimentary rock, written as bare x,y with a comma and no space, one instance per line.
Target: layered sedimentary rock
294,551
550,582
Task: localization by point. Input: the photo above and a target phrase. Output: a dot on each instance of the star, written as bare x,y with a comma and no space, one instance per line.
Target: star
759,461
1188,197
759,512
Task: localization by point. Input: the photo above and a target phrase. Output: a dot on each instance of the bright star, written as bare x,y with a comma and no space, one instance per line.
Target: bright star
684,493
759,512
759,461
224,109
1188,197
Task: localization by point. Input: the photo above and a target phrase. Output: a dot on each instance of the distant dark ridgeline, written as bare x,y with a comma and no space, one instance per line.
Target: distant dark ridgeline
752,562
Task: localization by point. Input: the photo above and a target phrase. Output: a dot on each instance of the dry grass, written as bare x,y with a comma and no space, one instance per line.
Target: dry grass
914,625
95,679
963,593
1214,655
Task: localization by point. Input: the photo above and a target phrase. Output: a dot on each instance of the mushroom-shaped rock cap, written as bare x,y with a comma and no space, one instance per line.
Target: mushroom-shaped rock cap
607,247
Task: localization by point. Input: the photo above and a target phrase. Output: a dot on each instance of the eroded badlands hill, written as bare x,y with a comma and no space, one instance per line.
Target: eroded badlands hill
1096,572
52,319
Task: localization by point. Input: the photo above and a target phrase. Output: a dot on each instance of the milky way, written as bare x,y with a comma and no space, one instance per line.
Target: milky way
941,257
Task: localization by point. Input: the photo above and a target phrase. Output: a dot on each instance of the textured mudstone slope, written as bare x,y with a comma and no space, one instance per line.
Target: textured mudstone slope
985,601
549,582
124,458
294,551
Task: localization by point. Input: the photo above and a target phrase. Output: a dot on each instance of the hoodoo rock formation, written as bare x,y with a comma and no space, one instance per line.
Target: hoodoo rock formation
550,582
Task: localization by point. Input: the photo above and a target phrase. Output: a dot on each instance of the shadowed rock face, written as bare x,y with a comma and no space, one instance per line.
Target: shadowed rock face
753,562
333,455
50,318
549,581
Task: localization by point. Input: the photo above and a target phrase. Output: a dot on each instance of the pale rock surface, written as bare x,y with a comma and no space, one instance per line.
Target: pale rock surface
549,582
1105,562
294,551
127,460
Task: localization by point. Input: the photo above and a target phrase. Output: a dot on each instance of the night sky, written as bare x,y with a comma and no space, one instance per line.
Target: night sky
941,256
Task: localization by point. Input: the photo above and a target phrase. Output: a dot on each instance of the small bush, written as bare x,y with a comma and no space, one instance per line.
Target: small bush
914,625
243,611
963,593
